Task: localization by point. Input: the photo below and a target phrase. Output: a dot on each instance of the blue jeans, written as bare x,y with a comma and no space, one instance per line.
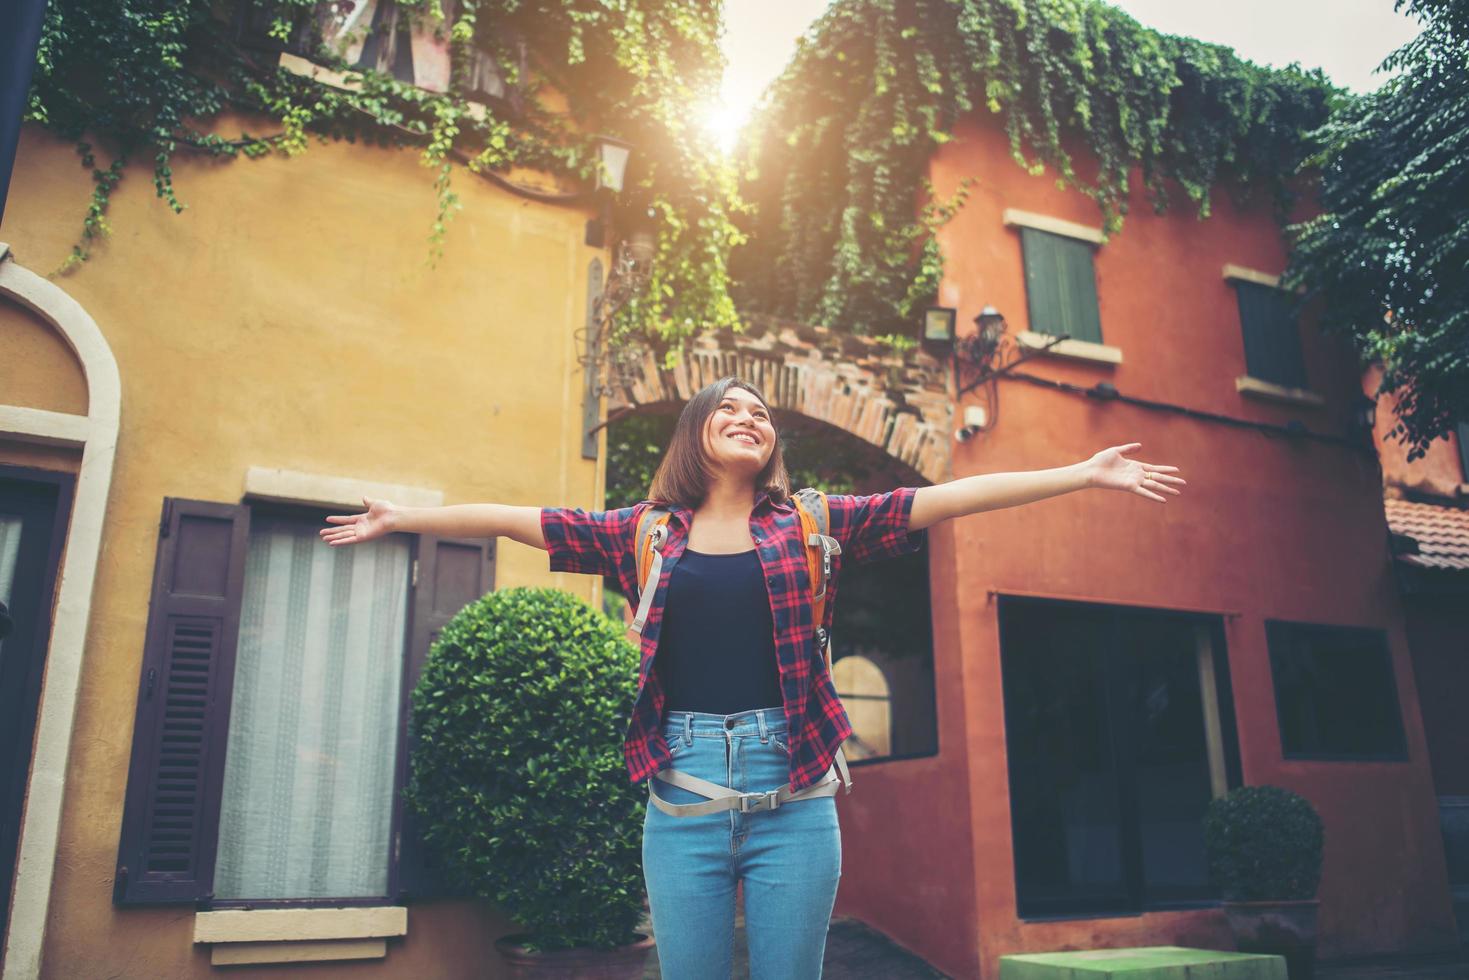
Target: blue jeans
789,858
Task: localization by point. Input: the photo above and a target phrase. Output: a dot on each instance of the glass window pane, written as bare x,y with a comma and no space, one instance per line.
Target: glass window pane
1272,337
882,622
309,775
1065,808
1334,692
1111,765
1165,708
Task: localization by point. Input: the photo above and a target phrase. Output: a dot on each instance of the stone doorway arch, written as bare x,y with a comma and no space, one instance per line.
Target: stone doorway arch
95,435
901,405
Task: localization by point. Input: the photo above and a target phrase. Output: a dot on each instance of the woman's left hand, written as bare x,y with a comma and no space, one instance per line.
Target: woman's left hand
1110,469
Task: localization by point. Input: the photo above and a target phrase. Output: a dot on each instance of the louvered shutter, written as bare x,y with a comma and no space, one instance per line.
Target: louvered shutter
171,815
451,574
1271,336
1060,285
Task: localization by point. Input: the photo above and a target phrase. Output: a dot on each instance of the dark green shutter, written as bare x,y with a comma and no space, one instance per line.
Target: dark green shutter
171,814
1060,285
1271,336
451,574
1463,433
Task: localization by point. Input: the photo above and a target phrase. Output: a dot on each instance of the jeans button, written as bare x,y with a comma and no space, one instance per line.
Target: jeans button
730,723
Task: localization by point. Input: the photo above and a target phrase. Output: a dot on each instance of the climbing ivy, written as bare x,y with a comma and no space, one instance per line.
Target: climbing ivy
144,80
834,165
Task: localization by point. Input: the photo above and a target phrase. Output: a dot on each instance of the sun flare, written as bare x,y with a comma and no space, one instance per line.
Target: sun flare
722,124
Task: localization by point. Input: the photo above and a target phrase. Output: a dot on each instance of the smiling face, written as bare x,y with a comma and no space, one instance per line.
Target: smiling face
724,434
739,435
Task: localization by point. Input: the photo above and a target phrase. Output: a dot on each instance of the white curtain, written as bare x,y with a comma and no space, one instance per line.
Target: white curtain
308,782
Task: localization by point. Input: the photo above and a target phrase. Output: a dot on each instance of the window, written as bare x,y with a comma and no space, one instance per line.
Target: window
882,659
385,36
1060,285
867,698
1335,696
1119,731
1272,338
269,747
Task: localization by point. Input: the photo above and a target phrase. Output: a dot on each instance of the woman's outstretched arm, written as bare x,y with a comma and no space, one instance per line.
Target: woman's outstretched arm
1108,469
521,524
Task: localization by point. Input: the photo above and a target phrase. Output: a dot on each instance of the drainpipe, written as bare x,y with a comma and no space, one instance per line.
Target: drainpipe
20,33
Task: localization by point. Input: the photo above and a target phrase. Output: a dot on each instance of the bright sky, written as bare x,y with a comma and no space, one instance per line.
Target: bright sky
1346,38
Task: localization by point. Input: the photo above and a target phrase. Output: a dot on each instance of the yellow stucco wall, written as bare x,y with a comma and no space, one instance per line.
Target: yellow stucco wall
37,368
288,318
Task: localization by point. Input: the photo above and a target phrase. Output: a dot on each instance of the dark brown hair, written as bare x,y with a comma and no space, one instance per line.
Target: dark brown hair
683,475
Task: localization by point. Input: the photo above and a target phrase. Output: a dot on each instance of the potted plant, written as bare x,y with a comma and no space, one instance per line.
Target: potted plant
519,780
1264,847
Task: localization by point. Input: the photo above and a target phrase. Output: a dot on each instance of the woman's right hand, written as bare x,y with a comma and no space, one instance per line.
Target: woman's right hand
357,528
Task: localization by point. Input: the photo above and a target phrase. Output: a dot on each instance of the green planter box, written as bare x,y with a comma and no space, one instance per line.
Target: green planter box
1143,963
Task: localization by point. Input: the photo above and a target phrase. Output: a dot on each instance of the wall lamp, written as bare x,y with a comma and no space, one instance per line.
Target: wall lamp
612,158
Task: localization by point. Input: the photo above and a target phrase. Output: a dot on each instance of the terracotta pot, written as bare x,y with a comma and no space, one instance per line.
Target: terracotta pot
1285,928
621,963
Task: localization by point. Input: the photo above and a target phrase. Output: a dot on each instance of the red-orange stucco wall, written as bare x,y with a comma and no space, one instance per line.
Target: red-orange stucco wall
1270,527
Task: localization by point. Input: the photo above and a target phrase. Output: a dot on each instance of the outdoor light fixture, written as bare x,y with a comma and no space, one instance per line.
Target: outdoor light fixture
979,347
938,330
938,323
640,249
991,325
612,155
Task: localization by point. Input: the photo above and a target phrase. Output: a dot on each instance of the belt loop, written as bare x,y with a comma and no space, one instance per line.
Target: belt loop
764,734
688,729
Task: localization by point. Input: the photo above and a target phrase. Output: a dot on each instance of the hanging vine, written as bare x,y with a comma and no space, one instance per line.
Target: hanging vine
142,80
835,163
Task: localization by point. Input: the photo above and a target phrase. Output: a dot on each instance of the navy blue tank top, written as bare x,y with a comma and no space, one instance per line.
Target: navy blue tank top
716,648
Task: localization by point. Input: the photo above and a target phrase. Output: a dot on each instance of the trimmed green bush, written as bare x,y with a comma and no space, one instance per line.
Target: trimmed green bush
1264,843
518,771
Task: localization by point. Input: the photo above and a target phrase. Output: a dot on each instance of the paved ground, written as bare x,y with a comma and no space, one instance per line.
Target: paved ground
857,952
1442,966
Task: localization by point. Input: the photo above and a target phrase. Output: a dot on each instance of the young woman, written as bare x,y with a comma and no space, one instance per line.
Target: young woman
733,688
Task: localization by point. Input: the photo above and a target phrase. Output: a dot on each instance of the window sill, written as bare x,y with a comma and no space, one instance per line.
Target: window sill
297,65
1239,273
1014,218
1270,391
299,935
1081,350
319,490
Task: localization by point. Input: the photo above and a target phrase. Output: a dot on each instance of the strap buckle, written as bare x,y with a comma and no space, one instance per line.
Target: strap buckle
758,802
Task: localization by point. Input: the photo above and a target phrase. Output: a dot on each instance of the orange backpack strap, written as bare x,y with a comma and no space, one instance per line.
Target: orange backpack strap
652,532
820,546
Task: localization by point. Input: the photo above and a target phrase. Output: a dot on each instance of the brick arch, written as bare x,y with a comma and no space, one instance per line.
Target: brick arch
900,405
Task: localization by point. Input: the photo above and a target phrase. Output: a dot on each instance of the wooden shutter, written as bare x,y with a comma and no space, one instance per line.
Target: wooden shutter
1060,285
1271,336
171,814
449,574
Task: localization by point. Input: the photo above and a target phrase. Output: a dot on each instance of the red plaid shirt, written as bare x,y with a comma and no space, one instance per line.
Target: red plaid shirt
868,527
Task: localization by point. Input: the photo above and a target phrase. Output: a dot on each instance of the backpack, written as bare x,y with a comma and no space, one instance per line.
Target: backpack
820,546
